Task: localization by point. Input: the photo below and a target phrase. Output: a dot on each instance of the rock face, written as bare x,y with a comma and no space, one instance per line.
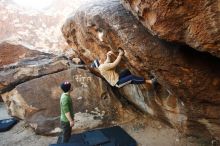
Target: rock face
37,29
188,96
195,23
38,102
10,53
19,64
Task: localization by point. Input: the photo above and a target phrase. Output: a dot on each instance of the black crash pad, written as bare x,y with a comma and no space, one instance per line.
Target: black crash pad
95,137
113,136
118,135
69,144
7,124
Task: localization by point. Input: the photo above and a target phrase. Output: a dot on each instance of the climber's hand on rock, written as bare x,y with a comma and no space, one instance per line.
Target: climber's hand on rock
121,52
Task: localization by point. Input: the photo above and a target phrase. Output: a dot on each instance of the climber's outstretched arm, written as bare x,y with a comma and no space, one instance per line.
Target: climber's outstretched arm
116,62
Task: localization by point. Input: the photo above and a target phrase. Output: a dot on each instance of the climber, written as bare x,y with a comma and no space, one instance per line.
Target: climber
107,70
67,114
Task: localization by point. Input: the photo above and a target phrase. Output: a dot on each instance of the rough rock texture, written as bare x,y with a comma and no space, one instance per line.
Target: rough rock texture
37,101
38,29
10,53
195,23
19,64
188,97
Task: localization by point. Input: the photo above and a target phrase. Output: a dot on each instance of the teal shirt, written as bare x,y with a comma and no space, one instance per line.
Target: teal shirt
66,105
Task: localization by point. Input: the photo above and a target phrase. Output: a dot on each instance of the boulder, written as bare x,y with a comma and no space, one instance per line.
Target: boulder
38,102
195,23
187,96
11,54
19,64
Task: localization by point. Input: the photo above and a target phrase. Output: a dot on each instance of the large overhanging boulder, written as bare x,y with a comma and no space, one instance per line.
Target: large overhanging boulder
188,97
38,102
19,64
195,23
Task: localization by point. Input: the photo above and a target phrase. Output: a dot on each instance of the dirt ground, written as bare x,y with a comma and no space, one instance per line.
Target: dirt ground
146,132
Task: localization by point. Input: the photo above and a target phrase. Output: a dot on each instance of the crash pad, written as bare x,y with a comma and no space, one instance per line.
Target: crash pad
7,124
112,136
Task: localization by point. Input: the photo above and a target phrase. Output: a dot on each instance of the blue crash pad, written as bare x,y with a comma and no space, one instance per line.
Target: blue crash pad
69,144
95,137
75,140
118,135
113,136
7,124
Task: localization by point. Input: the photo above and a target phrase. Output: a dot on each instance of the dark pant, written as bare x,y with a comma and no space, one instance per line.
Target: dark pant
126,76
66,132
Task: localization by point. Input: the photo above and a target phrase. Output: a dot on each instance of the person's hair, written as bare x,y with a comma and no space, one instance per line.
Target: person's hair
65,86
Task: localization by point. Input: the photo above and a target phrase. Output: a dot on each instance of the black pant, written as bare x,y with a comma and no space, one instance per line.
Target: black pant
126,76
66,132
124,73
